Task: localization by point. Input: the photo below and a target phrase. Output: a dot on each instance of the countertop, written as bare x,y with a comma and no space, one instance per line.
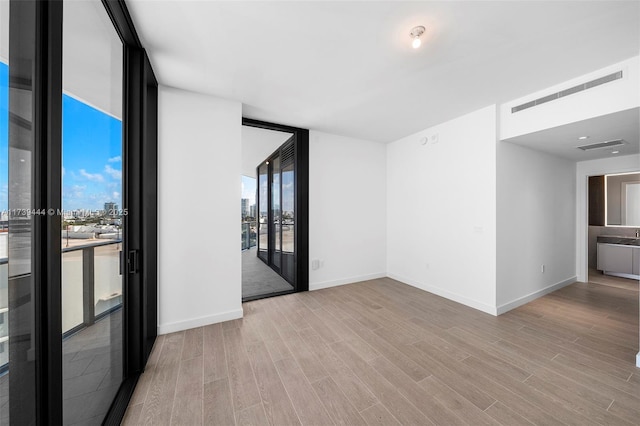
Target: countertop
615,239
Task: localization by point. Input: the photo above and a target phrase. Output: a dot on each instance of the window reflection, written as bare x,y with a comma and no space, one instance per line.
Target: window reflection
92,291
276,212
263,212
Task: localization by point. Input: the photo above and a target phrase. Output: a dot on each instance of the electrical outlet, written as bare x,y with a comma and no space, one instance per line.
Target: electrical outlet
315,264
542,268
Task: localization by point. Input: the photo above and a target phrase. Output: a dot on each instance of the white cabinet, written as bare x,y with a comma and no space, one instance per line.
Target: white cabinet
618,258
636,261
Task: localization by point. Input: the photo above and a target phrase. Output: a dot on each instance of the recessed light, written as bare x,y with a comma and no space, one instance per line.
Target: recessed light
583,138
615,152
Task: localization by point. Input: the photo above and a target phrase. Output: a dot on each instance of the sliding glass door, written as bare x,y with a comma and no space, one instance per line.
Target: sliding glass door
4,216
92,157
276,230
277,202
263,211
288,217
18,287
78,101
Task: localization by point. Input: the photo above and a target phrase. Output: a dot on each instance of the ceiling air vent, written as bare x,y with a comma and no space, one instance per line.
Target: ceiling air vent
600,145
569,91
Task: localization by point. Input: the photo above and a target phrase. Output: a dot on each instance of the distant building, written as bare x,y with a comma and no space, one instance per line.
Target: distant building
245,207
110,209
252,210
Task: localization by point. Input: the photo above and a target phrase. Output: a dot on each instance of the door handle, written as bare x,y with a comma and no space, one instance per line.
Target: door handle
133,261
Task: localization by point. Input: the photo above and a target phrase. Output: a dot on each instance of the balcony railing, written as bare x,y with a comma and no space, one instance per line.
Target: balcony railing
91,289
248,235
91,284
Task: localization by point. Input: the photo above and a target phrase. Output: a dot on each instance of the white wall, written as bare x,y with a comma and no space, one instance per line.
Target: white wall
257,145
584,169
347,209
199,188
619,95
536,224
441,210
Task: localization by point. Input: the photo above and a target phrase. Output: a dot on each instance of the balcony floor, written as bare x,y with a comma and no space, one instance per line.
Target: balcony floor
92,373
258,279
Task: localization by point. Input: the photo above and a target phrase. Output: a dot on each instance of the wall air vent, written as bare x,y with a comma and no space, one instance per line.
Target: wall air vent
570,91
600,145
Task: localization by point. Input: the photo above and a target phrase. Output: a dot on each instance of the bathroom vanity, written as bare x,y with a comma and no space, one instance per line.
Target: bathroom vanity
619,256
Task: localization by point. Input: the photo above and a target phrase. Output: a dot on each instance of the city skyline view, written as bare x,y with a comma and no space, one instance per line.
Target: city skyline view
249,189
249,186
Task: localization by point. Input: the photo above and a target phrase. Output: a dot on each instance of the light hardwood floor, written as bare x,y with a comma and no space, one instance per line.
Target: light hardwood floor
384,353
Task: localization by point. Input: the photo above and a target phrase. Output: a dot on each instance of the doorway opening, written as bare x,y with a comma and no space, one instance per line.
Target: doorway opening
613,226
274,210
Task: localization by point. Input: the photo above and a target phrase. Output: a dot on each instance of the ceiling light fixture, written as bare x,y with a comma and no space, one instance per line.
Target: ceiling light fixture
583,138
615,152
415,34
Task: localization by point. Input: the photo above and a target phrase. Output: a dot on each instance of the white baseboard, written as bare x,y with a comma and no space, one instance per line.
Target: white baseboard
638,360
532,296
447,294
351,280
199,322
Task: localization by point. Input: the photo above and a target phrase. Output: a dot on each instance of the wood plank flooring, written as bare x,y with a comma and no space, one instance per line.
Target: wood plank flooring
384,353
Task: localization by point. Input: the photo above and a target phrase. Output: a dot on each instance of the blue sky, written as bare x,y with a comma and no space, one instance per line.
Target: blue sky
4,135
91,153
91,157
249,189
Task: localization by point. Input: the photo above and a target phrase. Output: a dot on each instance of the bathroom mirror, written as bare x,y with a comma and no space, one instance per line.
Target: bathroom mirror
623,199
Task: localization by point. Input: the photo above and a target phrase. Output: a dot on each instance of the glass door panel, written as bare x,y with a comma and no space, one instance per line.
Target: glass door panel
4,220
276,213
18,356
288,222
92,290
263,211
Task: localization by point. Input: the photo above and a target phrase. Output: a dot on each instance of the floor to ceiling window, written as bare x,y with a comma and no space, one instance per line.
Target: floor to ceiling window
19,374
4,215
78,100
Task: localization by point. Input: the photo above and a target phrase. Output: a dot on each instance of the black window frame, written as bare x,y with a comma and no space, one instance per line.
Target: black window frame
301,183
40,22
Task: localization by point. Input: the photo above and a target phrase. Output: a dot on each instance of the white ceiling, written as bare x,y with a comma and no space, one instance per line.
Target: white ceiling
563,140
348,67
92,57
92,54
